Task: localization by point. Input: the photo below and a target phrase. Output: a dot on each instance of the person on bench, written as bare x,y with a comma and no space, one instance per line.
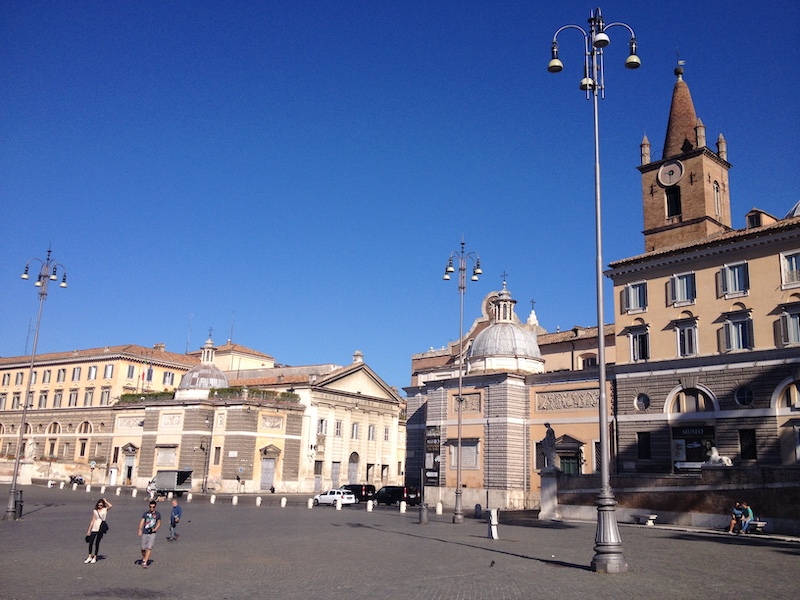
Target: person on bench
747,516
736,516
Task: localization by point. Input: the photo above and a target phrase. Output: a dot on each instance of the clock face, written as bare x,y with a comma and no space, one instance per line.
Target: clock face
670,173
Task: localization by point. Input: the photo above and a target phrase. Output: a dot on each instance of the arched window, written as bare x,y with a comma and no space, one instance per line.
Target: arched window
85,427
54,428
790,396
690,401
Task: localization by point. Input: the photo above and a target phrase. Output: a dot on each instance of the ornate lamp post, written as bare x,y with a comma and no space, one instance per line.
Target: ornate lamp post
608,556
48,272
462,257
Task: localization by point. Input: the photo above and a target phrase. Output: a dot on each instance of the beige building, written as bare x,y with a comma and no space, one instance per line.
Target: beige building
708,318
516,378
69,420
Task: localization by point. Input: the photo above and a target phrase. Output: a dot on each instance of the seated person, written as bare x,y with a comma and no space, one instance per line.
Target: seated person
747,516
736,516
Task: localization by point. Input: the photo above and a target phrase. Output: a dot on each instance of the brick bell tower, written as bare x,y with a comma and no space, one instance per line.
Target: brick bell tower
685,195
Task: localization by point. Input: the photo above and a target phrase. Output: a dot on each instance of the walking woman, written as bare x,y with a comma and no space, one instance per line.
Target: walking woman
97,527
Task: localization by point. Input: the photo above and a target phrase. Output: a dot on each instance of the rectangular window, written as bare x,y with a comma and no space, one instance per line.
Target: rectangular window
747,444
640,345
469,454
43,399
57,398
337,429
739,334
115,460
385,434
51,449
73,398
105,396
19,378
149,376
217,455
82,444
3,401
735,280
790,327
108,371
371,433
322,427
30,399
61,375
169,378
687,338
673,202
6,378
131,372
92,374
790,268
643,445
15,400
76,373
682,289
33,378
46,376
354,431
88,396
635,297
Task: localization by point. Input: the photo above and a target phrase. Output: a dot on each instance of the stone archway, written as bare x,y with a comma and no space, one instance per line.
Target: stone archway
352,468
269,458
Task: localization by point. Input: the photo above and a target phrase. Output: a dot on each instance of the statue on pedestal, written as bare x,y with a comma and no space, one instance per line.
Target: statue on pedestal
549,448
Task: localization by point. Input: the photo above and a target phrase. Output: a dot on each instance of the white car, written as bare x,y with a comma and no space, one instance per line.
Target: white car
331,496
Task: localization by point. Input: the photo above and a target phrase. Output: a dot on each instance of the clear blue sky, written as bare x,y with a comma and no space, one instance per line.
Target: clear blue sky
298,172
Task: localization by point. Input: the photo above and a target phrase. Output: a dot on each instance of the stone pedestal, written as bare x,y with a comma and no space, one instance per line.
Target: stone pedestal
549,495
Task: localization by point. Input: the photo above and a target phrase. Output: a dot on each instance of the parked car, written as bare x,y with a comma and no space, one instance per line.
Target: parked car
331,496
362,491
395,494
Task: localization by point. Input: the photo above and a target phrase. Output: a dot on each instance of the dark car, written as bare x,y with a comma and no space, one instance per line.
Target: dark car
362,491
395,494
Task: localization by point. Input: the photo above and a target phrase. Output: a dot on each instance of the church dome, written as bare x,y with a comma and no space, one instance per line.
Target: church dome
505,345
505,339
203,377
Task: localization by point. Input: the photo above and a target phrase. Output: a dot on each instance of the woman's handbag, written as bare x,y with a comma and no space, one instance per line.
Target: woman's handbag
88,538
103,527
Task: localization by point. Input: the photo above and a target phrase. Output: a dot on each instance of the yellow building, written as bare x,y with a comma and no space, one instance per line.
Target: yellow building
708,318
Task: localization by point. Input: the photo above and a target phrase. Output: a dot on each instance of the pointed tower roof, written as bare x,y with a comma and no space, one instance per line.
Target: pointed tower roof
681,135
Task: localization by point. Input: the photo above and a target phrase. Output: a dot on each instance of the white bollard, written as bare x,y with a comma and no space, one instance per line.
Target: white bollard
74,487
402,506
492,520
189,497
88,488
61,485
49,483
439,508
213,499
235,500
283,502
134,493
310,503
369,505
258,500
102,489
338,504
169,495
119,491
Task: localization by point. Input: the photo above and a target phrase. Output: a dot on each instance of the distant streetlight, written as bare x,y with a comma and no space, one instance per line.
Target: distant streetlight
48,272
462,257
608,556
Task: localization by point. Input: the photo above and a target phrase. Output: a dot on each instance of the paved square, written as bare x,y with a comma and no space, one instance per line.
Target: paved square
246,551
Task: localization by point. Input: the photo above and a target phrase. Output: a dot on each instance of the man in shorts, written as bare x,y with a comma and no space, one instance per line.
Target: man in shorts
148,526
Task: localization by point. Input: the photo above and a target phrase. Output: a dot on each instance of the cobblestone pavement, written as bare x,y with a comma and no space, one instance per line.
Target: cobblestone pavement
245,551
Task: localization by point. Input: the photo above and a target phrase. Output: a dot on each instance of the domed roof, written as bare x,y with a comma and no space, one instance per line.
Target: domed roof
505,339
203,377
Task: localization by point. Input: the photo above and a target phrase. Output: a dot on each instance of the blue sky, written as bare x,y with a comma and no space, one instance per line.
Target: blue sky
299,172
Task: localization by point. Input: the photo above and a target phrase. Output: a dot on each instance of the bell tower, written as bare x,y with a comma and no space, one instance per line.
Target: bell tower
685,194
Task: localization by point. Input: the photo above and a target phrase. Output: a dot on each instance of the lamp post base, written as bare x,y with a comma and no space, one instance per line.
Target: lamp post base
458,513
608,556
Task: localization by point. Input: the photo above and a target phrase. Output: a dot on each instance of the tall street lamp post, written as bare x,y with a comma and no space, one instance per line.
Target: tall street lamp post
462,257
608,556
48,272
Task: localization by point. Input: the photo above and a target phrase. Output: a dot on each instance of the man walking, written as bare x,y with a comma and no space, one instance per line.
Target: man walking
148,526
174,517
